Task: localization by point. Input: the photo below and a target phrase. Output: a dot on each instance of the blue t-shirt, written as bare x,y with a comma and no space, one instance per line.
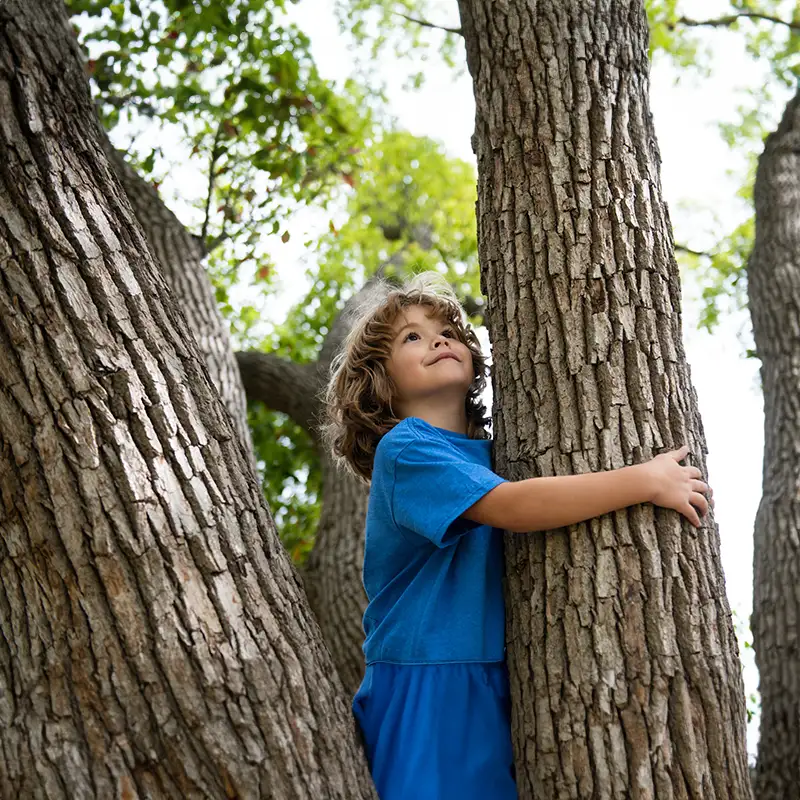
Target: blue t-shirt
433,579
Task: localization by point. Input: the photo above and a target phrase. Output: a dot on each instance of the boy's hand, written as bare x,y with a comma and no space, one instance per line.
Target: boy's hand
679,487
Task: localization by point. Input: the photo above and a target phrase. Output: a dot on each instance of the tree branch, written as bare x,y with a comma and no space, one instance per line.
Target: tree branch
682,248
215,241
426,24
121,101
216,152
474,307
282,385
725,22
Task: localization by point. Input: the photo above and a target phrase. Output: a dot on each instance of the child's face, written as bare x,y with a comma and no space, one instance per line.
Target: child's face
428,360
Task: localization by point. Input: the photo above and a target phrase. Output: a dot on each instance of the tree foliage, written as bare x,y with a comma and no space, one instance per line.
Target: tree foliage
769,33
421,30
228,93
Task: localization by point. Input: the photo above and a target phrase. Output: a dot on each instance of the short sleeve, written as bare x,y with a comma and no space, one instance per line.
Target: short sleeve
433,485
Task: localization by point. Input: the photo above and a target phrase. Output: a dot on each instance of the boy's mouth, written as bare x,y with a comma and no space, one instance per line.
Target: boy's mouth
444,355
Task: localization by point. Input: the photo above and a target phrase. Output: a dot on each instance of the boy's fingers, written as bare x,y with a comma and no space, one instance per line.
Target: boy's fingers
681,453
689,512
693,472
699,486
699,502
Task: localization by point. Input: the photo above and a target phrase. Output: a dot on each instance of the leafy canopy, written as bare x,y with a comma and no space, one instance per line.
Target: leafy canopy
233,89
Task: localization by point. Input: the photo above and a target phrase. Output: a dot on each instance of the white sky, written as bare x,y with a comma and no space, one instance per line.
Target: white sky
696,167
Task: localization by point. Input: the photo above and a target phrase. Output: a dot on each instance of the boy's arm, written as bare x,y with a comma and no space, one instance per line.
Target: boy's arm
542,504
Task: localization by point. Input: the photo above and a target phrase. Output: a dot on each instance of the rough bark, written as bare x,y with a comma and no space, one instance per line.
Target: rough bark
332,576
181,257
773,279
626,681
155,639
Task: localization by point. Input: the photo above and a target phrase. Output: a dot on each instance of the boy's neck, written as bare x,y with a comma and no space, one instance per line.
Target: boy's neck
451,419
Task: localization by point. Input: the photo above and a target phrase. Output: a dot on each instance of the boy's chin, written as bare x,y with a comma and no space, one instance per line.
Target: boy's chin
448,390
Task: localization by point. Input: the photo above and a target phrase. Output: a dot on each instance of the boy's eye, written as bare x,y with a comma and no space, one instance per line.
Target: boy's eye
447,332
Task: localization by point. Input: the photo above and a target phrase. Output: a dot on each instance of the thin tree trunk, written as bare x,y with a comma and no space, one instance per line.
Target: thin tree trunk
155,639
626,681
332,576
773,280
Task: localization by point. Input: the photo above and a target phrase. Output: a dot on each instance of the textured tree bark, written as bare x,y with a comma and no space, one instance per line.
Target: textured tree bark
155,639
773,279
332,576
626,681
181,257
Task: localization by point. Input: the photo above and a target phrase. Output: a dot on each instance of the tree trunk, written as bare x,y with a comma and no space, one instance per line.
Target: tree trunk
332,576
773,279
181,257
626,681
155,639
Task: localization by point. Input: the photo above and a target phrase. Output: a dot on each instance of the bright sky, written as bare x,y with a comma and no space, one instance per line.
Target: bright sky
696,167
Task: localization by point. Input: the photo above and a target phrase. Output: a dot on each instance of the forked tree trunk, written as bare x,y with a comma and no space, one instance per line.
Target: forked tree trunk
626,681
155,638
773,280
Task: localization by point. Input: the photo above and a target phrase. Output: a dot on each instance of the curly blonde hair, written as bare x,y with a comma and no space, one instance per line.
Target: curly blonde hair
358,394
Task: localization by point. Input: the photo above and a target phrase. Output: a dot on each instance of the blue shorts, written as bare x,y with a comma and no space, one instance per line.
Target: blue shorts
437,731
